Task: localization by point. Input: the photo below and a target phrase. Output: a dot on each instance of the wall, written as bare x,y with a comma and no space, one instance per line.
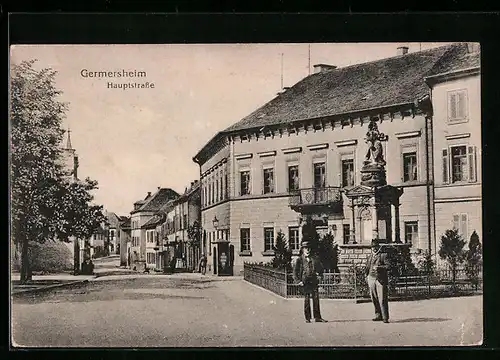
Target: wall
452,198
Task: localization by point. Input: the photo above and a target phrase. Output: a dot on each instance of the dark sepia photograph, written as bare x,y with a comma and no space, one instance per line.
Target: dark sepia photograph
245,195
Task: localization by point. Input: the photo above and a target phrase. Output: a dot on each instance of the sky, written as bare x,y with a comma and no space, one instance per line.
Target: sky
135,140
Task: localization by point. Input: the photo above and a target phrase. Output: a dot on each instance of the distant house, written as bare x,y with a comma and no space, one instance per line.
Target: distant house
114,233
171,227
95,246
143,211
124,240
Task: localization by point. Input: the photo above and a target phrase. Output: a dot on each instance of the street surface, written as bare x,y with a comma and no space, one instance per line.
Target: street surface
189,310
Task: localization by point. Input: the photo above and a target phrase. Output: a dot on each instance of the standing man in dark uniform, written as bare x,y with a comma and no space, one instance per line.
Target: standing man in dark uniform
307,272
378,281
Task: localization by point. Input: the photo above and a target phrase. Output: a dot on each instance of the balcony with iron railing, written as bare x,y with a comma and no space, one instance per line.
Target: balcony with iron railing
310,200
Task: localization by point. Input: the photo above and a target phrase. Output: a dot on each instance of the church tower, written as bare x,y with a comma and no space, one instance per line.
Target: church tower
70,158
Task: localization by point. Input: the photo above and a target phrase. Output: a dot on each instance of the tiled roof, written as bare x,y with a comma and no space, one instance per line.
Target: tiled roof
151,223
456,59
125,224
158,199
376,84
113,219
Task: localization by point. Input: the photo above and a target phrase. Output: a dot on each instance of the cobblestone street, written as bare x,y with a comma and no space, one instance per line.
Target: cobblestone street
191,311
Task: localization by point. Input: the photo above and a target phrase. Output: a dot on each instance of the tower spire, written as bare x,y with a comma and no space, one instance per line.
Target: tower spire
68,141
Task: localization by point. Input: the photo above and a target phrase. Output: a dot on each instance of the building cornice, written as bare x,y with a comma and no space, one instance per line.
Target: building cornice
450,75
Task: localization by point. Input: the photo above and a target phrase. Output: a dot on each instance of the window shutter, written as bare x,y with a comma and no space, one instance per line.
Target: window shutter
456,222
461,105
453,106
472,164
446,163
463,225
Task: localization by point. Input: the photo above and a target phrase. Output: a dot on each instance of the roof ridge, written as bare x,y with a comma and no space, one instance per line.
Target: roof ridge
449,46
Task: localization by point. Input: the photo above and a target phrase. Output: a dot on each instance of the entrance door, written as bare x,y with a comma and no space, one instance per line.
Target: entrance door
224,259
215,262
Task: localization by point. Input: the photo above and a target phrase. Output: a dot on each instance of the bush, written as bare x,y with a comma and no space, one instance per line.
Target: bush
329,253
425,264
451,250
282,254
357,274
50,257
473,259
400,264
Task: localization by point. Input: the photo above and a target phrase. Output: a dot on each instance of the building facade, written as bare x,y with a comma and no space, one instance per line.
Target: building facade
455,85
143,211
307,146
171,231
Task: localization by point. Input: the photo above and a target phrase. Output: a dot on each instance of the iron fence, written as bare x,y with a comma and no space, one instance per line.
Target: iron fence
314,196
351,284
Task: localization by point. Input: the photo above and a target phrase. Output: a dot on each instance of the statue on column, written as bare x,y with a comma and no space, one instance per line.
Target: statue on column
373,171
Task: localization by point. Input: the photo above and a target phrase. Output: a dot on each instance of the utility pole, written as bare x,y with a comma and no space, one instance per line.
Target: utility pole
309,58
281,71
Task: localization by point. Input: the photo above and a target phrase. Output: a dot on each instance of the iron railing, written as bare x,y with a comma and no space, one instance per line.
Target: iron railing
351,284
315,196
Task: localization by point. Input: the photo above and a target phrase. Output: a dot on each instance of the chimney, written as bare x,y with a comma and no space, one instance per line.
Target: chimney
192,183
159,187
196,181
149,194
402,50
323,68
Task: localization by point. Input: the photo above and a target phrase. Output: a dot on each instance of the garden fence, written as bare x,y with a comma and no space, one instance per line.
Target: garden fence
351,284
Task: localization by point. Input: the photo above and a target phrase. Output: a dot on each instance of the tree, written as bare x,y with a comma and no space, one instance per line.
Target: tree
451,250
329,253
282,254
194,233
310,234
44,203
473,258
401,263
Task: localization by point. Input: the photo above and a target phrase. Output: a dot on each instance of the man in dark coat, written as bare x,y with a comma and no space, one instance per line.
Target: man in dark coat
307,272
378,282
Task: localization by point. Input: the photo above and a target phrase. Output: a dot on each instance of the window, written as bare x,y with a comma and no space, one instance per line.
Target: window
319,175
411,232
346,232
221,193
244,240
462,162
226,186
459,163
347,172
185,221
213,192
112,233
293,178
268,181
268,239
245,182
151,258
293,238
457,105
410,166
460,224
216,190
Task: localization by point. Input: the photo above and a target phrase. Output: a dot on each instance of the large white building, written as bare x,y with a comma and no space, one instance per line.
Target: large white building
307,145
